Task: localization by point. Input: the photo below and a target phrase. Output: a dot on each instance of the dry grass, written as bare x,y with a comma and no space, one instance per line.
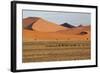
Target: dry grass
41,51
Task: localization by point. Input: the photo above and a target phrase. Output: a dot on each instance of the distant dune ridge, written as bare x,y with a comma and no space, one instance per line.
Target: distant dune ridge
41,29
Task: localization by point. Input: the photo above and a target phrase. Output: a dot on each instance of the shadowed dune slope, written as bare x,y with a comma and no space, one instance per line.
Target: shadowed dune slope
28,21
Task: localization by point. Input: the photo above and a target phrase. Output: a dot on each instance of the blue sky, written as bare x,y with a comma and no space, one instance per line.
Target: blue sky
73,18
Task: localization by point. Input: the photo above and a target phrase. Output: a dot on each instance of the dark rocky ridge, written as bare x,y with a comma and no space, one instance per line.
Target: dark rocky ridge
67,25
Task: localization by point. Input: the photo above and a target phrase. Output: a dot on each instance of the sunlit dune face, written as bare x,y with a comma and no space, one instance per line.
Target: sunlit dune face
46,26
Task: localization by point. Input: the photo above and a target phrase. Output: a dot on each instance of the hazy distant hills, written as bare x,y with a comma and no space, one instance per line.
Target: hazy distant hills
67,25
42,29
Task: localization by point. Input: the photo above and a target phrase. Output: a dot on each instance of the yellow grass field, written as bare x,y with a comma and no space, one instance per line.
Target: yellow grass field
53,50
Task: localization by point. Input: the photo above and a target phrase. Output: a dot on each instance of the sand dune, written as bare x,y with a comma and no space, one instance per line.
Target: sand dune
27,22
46,26
39,24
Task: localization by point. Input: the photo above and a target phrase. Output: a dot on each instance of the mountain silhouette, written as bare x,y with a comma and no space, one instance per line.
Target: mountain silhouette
80,25
67,25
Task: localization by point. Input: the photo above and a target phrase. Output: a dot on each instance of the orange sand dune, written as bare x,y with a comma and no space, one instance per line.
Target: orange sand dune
39,24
